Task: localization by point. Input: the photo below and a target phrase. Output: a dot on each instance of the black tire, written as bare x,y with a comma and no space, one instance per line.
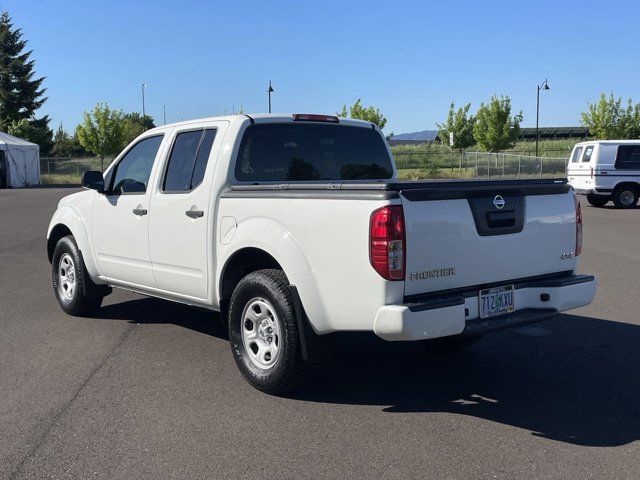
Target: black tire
270,289
85,297
597,200
625,196
3,179
451,344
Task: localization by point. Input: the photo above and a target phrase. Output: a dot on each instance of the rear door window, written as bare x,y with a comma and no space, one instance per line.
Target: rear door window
305,151
588,151
188,160
575,158
628,157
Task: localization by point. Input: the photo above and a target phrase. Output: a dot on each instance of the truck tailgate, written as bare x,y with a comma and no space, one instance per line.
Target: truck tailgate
462,234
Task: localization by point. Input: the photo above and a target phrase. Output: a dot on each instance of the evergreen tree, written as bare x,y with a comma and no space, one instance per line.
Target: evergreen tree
20,93
62,143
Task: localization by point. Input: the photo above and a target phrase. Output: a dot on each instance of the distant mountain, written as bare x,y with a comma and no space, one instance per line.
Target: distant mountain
424,136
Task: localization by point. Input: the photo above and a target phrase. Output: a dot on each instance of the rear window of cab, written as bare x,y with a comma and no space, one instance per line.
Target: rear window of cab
309,151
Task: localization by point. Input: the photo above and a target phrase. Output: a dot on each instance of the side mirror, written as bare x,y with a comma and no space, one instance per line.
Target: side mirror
93,180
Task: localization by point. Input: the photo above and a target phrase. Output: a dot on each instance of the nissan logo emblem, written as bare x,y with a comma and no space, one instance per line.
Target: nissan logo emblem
499,202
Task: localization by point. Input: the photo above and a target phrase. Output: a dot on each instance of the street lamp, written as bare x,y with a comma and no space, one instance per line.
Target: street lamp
143,85
269,91
164,114
543,86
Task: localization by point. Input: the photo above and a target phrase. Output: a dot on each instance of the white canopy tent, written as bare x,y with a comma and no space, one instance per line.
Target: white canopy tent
20,161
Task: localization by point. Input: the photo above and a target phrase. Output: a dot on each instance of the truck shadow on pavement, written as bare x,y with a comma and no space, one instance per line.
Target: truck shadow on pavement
155,311
572,379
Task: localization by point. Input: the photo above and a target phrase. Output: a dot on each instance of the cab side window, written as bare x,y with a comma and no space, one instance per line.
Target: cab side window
188,160
133,170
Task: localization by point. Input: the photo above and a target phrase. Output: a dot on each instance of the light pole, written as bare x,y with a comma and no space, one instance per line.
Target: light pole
164,114
543,86
269,91
143,85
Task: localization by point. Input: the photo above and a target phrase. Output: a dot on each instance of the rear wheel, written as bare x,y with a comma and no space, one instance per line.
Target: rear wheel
75,291
597,200
263,332
625,196
3,179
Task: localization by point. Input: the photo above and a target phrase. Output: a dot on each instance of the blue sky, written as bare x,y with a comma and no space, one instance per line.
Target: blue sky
408,58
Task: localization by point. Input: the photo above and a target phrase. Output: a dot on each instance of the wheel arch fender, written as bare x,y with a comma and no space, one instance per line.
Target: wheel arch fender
268,236
632,184
69,220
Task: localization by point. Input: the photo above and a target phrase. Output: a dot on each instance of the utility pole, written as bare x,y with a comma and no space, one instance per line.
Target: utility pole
269,92
143,85
543,86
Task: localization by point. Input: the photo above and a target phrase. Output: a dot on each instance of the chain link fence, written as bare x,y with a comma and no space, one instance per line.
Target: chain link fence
68,170
410,165
416,165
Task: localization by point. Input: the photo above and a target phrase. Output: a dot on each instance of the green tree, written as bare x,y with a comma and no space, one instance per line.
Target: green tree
604,119
460,123
370,114
20,93
101,131
133,125
65,145
495,129
630,121
36,131
62,143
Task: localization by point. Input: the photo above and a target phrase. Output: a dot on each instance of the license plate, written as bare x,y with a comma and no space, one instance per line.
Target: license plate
496,301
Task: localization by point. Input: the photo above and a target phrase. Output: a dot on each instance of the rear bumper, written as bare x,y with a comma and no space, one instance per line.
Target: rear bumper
535,300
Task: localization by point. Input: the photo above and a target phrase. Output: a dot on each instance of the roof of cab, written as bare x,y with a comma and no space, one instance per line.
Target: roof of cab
258,118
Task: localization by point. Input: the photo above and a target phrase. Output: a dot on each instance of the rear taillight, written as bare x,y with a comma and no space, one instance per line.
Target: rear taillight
591,172
387,243
578,226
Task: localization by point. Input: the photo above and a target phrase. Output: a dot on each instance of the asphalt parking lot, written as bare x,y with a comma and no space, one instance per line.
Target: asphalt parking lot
148,389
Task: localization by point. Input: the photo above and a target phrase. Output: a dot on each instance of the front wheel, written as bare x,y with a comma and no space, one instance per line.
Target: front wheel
597,200
625,197
71,283
263,333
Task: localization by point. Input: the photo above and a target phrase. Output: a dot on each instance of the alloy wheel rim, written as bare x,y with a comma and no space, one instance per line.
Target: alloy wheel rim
261,333
67,280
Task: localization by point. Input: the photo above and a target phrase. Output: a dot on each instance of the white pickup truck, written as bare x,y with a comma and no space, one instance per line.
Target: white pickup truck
295,228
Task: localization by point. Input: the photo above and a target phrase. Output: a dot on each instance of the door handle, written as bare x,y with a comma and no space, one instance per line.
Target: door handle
139,211
194,213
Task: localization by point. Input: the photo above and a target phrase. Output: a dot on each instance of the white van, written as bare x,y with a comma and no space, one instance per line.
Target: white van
606,170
